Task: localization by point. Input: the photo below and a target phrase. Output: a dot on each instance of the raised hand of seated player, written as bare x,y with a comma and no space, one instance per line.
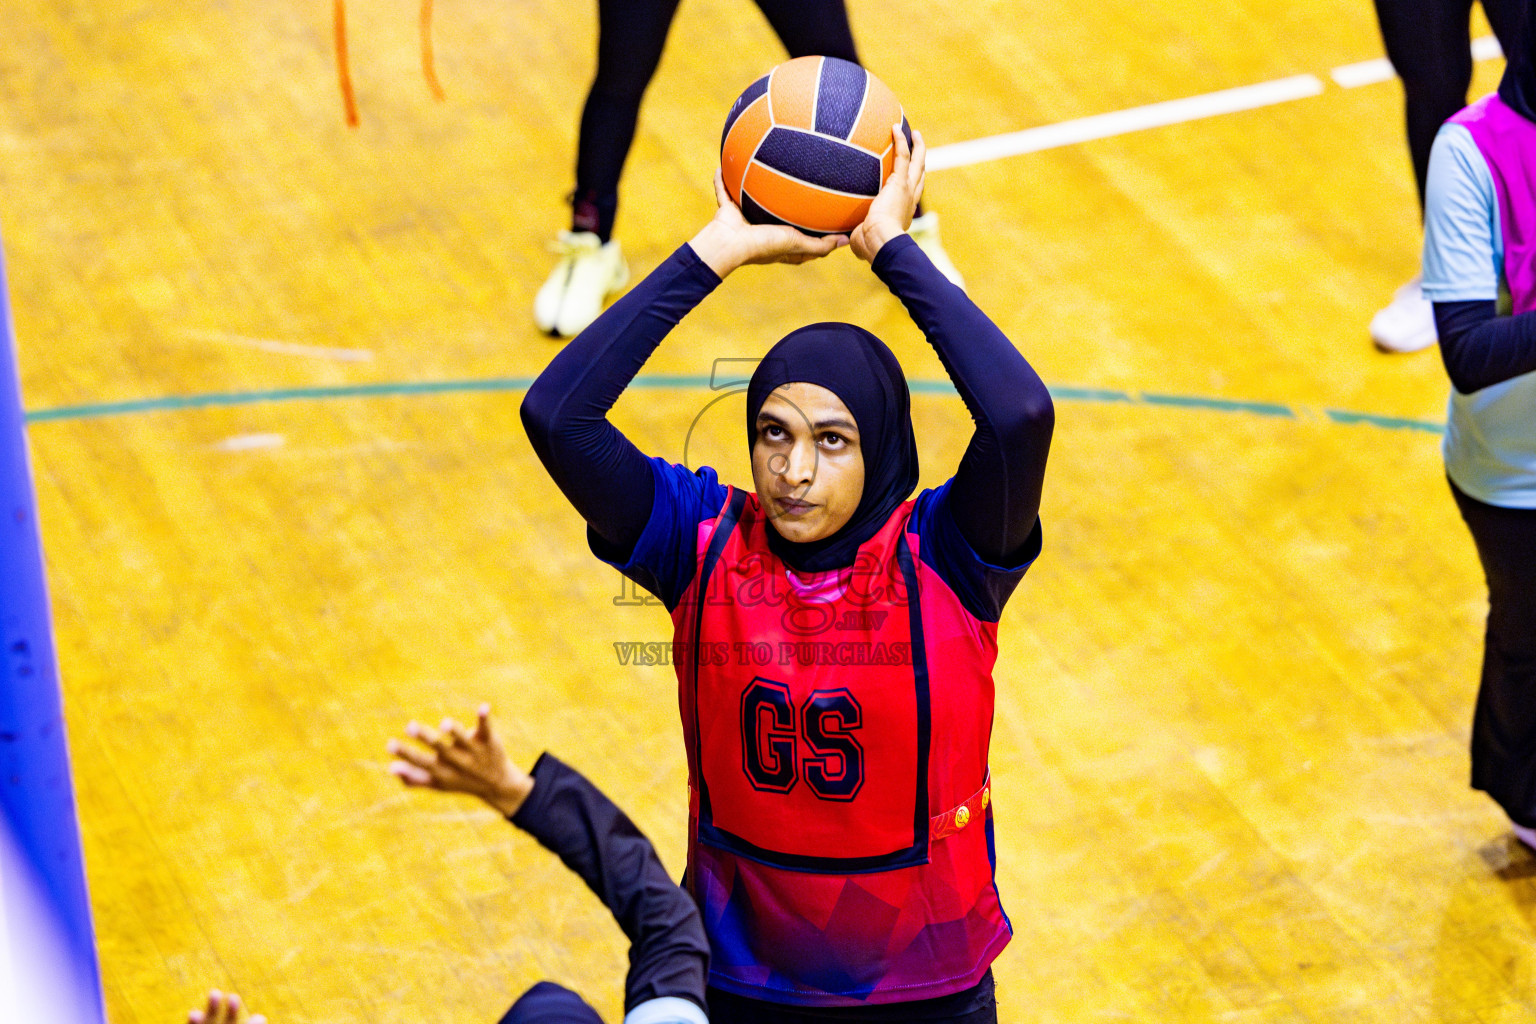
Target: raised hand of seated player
455,761
890,214
221,1009
728,241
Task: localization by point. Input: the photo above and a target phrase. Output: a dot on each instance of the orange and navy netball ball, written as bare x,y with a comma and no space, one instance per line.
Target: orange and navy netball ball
809,145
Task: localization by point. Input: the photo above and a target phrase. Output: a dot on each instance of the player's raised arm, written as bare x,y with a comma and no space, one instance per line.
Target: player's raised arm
598,469
995,497
222,1009
728,241
669,955
455,760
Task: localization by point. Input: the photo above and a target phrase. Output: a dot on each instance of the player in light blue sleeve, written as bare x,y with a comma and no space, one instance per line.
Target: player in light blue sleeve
1480,275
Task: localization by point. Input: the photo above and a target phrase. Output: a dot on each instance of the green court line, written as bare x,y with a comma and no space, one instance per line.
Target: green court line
174,403
660,381
1219,404
1389,422
1062,393
1067,394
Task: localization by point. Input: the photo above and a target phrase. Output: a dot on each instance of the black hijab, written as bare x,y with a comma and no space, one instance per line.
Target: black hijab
857,367
1518,86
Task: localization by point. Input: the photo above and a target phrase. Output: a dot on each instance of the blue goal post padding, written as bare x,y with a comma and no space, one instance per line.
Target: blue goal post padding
48,966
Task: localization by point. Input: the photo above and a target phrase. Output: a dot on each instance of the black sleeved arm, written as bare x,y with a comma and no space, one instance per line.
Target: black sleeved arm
995,496
668,953
1481,348
565,412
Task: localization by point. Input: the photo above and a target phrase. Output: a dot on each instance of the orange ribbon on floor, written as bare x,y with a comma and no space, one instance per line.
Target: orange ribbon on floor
344,71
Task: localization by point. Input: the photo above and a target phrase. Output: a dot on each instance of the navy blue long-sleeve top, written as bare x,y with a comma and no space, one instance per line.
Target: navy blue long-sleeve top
1481,348
668,952
981,528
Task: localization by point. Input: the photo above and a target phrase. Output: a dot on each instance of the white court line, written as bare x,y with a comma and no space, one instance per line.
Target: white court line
250,442
1486,48
286,348
1159,115
1369,72
1121,122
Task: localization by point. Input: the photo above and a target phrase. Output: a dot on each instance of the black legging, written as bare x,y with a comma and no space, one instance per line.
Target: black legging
1429,44
1504,725
631,36
975,1005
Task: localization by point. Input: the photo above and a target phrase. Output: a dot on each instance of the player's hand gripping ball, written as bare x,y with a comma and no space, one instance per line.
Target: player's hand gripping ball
809,145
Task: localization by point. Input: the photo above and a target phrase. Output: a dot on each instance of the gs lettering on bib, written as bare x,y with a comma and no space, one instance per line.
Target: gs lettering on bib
809,745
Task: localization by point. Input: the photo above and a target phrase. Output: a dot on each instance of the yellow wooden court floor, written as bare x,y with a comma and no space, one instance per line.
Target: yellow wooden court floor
273,366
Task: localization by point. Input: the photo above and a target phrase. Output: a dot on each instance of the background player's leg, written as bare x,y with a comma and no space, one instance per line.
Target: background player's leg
1429,44
1504,725
1504,18
630,39
811,27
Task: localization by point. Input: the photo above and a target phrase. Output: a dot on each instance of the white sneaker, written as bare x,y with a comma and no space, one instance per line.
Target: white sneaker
588,272
1408,323
925,232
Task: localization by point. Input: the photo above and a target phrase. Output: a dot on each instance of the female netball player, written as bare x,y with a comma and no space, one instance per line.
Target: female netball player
835,640
631,36
1480,273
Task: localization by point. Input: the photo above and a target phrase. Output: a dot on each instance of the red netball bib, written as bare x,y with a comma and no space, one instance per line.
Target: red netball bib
837,728
811,715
